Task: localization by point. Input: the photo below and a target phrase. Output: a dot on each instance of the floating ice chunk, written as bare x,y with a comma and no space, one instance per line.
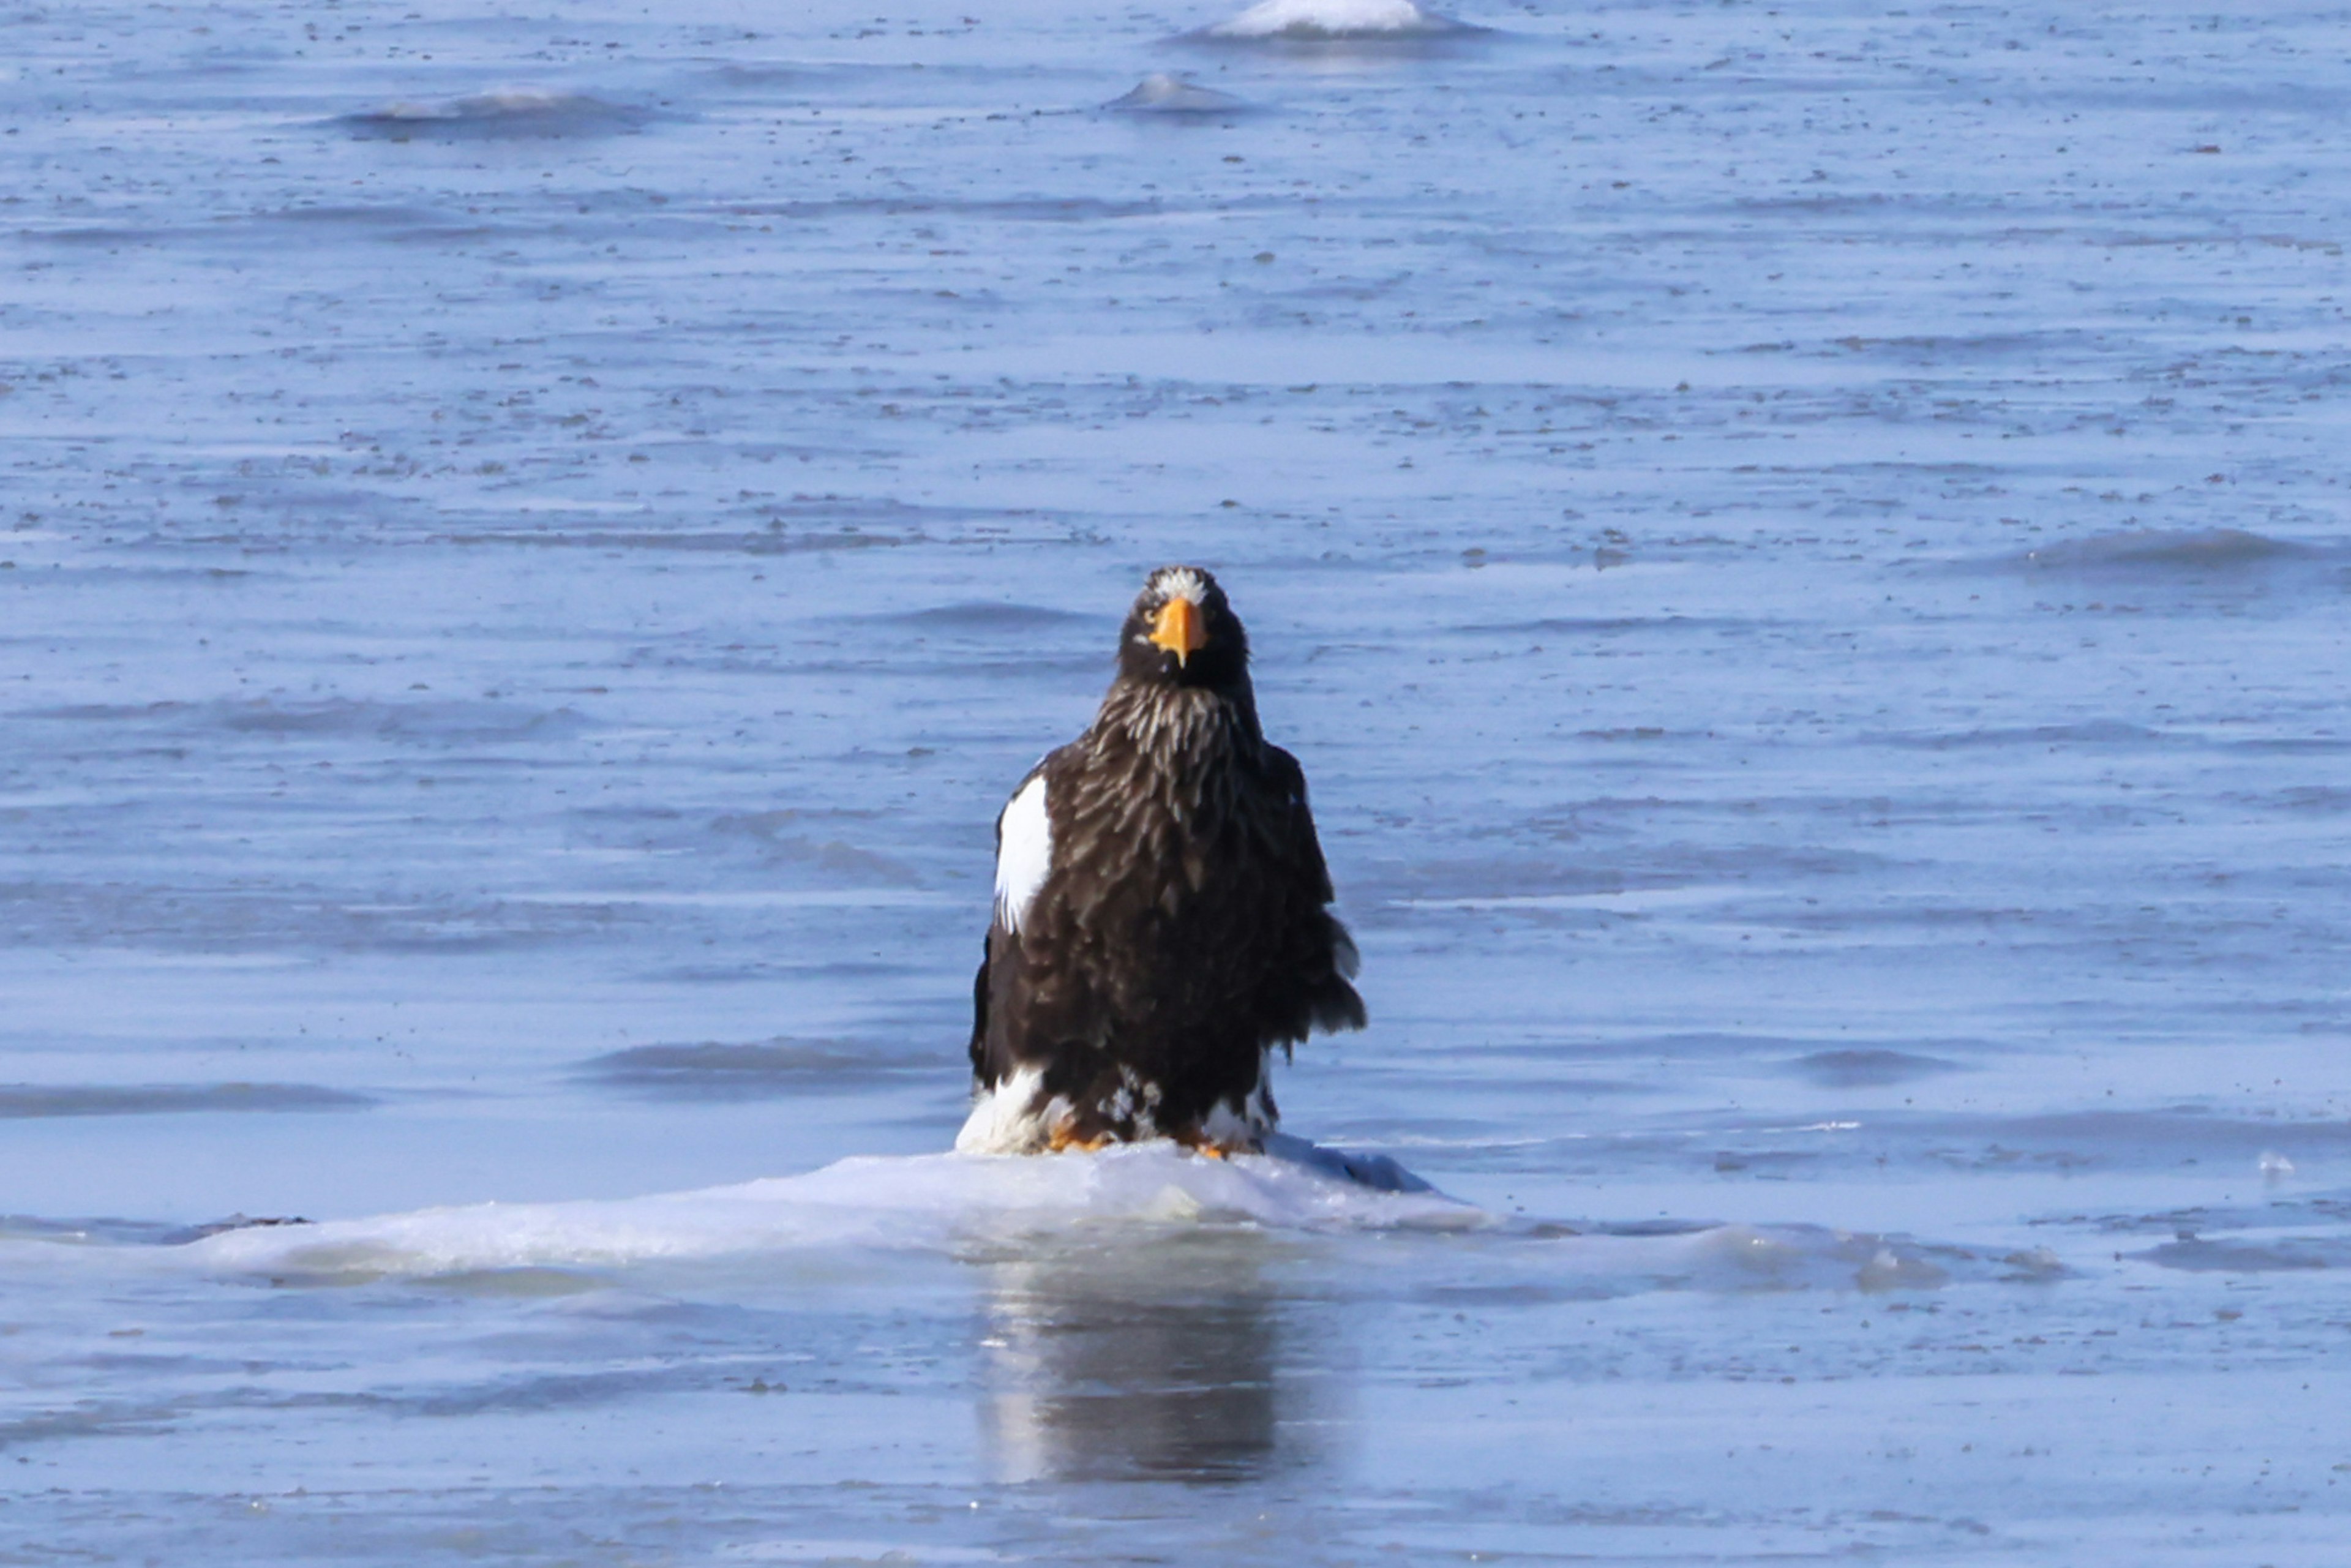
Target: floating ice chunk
1891,1270
516,112
1317,19
1806,1256
1160,93
1752,1252
924,1202
2035,1265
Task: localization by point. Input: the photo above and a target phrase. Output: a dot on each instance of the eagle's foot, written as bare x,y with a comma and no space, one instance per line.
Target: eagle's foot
1065,1140
1201,1143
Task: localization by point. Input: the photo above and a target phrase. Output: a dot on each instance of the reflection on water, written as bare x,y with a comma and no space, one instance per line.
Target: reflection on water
1157,1357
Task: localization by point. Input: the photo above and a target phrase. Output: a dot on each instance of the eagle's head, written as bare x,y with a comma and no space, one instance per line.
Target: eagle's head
1182,632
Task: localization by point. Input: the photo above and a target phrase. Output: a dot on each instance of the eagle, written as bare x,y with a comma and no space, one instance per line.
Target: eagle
1162,917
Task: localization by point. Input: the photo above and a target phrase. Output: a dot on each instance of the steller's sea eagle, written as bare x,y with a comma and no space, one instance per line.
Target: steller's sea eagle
1162,909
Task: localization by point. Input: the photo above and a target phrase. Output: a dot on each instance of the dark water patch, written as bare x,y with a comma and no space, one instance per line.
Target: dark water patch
95,235
2201,1220
411,720
1699,1044
1523,878
181,1236
1868,1069
114,1232
1932,349
2197,1255
89,1418
213,918
2316,799
1605,625
762,73
1035,209
766,971
348,214
1639,1227
2182,1140
830,856
1727,1161
976,616
2177,1138
393,224
770,541
111,1231
2291,745
1486,1298
768,1070
416,720
2158,552
32,1101
2089,732
1528,1056
1177,98
506,115
552,1391
528,1283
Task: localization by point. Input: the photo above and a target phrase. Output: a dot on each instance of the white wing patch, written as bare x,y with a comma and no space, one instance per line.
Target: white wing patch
1024,852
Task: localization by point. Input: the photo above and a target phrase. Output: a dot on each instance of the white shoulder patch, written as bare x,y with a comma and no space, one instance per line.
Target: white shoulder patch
1024,853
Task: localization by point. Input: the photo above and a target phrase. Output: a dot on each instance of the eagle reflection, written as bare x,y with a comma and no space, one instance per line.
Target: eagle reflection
1138,1359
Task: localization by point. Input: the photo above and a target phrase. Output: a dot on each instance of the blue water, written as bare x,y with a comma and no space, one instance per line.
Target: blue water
1801,551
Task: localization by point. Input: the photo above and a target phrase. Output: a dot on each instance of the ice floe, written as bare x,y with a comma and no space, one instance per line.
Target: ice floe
1333,19
1174,95
1161,93
920,1202
507,112
951,1202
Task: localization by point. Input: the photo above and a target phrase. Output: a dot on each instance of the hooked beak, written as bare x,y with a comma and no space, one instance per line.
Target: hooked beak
1180,629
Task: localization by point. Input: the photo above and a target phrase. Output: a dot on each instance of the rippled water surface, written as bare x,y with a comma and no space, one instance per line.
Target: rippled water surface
1801,551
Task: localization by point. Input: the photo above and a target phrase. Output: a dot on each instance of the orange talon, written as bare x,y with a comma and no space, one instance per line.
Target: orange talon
1199,1142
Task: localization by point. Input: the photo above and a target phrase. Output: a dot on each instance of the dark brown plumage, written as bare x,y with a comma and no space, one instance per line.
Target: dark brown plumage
1161,919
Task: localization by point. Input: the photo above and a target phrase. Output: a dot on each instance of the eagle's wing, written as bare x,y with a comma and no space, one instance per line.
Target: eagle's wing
1024,858
1320,957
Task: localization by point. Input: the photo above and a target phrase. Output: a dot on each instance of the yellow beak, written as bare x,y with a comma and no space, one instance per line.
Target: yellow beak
1180,629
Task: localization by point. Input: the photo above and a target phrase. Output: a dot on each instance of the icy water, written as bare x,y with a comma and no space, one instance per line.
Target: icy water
1801,552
